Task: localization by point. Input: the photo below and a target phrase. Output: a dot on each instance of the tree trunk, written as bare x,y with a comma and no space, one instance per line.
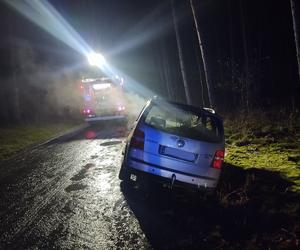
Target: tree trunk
294,14
161,66
15,82
201,79
16,99
231,42
166,70
246,58
203,56
180,55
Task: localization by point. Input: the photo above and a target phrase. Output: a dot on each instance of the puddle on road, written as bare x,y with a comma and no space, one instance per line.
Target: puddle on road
110,143
82,173
89,165
75,187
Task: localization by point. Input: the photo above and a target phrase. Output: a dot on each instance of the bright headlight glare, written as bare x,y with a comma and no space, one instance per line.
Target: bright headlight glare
96,59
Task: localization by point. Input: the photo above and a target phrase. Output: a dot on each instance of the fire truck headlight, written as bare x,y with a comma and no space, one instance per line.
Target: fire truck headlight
96,59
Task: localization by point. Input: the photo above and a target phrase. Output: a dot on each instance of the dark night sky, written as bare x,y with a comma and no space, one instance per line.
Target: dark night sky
107,25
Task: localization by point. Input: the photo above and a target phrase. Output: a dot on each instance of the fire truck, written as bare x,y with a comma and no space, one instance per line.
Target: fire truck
103,98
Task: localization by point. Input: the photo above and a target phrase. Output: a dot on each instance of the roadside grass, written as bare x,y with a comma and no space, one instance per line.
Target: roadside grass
259,193
267,142
17,137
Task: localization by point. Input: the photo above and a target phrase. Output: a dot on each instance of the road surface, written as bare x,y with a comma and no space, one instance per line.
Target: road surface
66,195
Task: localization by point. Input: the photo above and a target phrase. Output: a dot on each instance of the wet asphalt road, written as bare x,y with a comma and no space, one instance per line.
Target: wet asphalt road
66,195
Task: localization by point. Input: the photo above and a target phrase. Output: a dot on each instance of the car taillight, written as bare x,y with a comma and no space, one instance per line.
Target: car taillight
138,139
218,159
87,111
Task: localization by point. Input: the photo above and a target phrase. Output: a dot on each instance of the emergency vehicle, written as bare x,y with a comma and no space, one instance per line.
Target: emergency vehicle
103,98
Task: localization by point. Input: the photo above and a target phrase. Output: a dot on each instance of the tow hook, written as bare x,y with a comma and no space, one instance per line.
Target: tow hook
172,181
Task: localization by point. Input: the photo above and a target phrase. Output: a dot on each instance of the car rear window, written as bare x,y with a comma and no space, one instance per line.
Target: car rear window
186,123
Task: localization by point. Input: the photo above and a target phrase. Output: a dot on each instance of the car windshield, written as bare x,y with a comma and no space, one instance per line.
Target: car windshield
186,123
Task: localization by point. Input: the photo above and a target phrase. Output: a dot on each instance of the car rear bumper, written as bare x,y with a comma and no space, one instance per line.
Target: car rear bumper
166,175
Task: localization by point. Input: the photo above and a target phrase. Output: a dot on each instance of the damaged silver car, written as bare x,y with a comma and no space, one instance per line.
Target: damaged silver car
175,144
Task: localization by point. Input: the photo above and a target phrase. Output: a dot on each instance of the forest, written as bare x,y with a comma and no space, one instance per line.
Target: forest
235,56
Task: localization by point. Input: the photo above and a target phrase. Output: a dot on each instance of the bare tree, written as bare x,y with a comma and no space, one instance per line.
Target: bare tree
162,66
180,55
294,14
15,82
246,59
202,54
201,79
231,41
166,70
